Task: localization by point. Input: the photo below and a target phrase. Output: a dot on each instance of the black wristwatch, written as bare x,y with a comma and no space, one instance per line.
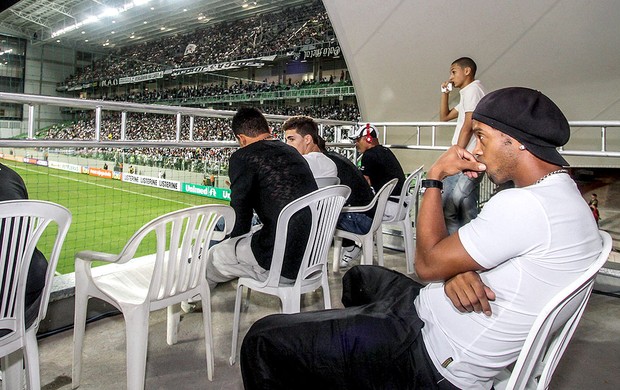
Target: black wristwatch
429,183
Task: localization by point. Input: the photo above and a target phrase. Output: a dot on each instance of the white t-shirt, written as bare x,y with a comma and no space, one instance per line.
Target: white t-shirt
533,241
321,165
470,96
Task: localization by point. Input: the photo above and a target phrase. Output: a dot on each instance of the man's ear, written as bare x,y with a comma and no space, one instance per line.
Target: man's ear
467,70
307,139
242,140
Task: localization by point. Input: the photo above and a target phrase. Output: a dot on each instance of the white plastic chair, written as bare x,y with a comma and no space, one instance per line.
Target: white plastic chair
325,181
552,331
406,199
325,205
22,222
380,201
137,286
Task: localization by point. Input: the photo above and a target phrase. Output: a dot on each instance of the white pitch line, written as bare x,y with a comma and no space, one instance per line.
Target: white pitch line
109,187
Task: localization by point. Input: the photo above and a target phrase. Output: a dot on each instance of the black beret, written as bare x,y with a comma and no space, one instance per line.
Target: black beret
529,117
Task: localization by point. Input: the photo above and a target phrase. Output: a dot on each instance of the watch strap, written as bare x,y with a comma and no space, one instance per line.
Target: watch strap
430,183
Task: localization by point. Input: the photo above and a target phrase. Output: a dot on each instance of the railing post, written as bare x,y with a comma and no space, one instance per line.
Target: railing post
123,125
98,123
603,139
433,135
178,135
417,138
30,121
191,127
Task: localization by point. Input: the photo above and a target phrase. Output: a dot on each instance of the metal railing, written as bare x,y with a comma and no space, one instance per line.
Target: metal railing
425,135
432,134
301,93
99,106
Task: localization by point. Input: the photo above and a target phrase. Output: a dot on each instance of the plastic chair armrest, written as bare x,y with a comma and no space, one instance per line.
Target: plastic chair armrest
357,209
97,256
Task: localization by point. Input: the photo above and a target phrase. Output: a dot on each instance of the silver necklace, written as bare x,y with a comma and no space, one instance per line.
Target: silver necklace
549,174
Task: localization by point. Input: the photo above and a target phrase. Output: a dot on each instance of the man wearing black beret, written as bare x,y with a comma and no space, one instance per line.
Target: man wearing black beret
488,280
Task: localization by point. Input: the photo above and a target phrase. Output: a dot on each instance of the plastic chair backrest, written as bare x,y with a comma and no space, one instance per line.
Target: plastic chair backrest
325,205
407,195
327,181
22,223
183,237
554,328
380,200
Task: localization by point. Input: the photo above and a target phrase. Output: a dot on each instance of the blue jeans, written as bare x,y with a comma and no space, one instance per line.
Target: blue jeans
358,223
460,200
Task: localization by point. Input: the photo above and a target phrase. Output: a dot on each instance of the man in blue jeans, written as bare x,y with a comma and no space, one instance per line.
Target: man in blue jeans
378,166
460,193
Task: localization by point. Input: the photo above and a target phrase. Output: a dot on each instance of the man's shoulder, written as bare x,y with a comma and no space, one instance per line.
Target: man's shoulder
475,88
381,153
339,159
264,150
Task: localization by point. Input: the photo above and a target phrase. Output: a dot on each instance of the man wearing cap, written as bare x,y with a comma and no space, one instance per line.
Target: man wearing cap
460,195
378,165
488,281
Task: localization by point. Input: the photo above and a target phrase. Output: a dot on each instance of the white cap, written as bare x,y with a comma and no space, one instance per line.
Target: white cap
363,130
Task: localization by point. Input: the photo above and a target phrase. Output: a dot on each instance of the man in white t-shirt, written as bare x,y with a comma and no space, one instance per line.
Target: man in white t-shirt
488,281
460,196
301,132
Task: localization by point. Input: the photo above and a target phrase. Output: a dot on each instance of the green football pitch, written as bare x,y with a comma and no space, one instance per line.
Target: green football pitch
106,213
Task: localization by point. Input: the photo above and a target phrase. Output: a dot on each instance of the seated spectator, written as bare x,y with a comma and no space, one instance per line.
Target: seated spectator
302,133
489,280
12,188
265,175
379,166
347,172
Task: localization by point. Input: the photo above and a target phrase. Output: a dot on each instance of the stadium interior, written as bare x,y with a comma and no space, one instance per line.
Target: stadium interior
120,111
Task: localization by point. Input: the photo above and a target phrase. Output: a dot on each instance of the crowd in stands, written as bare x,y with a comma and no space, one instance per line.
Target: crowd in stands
256,36
155,127
239,87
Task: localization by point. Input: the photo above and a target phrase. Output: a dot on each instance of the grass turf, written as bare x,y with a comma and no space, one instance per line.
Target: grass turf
106,213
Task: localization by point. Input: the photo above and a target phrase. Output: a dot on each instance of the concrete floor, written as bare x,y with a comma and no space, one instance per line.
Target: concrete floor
591,361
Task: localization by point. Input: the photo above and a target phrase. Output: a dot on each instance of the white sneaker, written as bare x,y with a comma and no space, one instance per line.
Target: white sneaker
350,253
191,306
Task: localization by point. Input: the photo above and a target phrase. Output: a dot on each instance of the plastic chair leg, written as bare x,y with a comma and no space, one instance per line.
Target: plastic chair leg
207,324
291,302
12,371
235,330
172,323
79,327
379,244
327,299
409,245
336,255
136,331
31,359
367,250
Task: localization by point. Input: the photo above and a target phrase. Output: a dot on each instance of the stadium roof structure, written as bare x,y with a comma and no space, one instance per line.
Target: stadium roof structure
100,24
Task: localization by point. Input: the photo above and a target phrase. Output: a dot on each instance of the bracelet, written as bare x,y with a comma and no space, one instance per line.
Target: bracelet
430,183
